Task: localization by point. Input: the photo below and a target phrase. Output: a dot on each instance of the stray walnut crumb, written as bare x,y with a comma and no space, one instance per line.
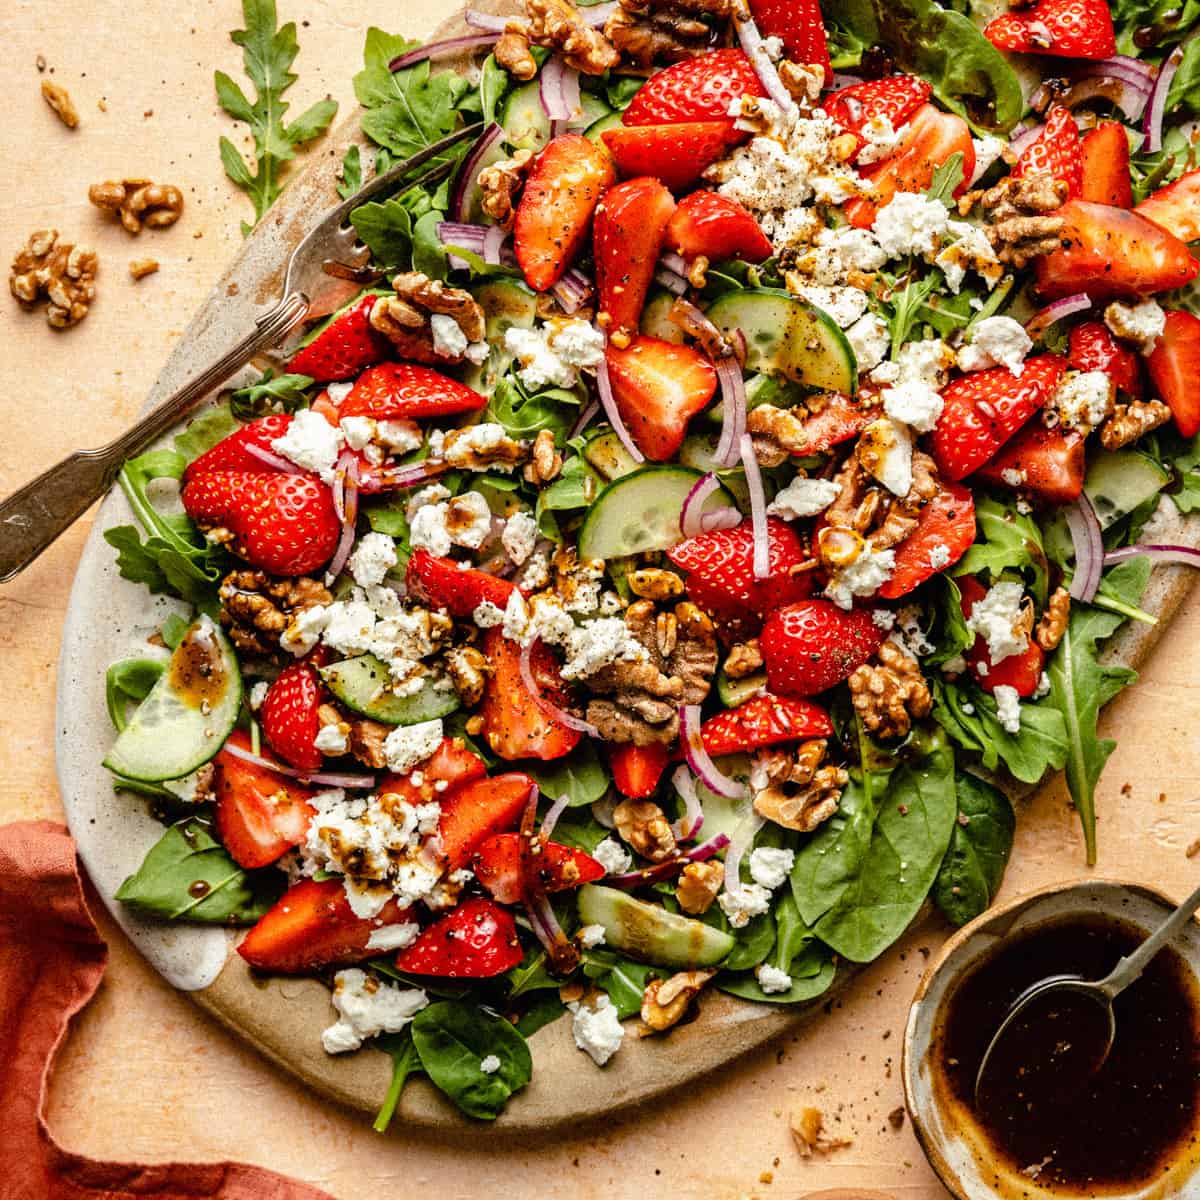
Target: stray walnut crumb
60,101
139,202
1053,625
60,272
896,1117
810,1135
1193,849
139,268
40,63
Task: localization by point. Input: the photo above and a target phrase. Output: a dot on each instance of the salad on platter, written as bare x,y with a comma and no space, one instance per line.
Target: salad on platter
727,477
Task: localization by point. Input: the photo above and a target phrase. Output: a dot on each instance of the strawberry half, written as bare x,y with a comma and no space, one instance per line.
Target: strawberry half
1046,462
811,645
476,810
1106,178
636,770
897,97
284,524
696,89
944,533
289,716
1092,347
559,868
449,765
838,420
399,391
344,347
710,224
675,154
1064,28
476,940
627,236
232,453
800,26
764,721
658,387
452,585
1056,152
1176,207
1175,367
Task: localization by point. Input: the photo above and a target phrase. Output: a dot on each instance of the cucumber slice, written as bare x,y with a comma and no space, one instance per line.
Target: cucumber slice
655,322
1117,483
610,120
733,692
526,124
473,203
609,457
788,336
647,932
188,713
359,684
507,304
721,814
640,512
699,451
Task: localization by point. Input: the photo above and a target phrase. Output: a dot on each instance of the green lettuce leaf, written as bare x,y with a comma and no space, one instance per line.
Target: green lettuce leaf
970,874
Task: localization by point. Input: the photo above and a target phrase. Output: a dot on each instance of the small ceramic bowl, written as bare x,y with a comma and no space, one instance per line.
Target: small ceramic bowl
952,1141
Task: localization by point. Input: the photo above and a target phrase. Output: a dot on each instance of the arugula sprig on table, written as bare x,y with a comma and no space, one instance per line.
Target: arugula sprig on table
268,54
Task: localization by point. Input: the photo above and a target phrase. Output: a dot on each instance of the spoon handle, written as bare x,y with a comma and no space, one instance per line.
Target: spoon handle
1132,965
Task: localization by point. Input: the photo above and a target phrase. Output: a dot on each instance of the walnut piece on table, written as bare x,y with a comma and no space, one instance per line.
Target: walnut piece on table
665,1001
61,103
139,268
139,203
810,1135
60,272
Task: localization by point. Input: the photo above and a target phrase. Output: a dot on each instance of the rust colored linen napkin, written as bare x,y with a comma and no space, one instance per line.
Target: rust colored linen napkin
51,961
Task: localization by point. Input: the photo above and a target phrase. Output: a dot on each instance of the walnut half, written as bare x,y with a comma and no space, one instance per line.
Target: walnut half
138,203
62,273
429,322
890,692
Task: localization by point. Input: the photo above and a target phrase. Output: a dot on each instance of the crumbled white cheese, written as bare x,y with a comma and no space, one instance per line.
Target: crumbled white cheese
885,449
1008,708
258,693
772,980
598,1031
770,867
844,304
427,530
913,403
773,47
1142,323
366,1007
374,556
350,626
881,138
399,436
1083,399
598,643
431,493
911,223
747,901
803,498
312,443
519,536
488,615
408,745
996,342
863,577
449,341
613,857
304,630
1043,687
969,251
576,342
869,338
909,635
997,619
332,739
357,431
853,249
918,362
939,555
883,618
591,935
536,573
489,1064
468,520
393,937
472,449
553,355
987,150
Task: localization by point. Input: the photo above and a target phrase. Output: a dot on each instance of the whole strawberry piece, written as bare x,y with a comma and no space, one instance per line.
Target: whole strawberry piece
813,644
284,524
1065,28
289,716
1093,348
404,391
449,584
344,347
896,97
696,89
232,453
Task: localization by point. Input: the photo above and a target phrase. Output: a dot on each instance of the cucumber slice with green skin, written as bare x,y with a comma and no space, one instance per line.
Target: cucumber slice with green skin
649,933
699,451
188,713
733,692
525,122
655,322
788,336
609,457
640,512
473,205
610,120
722,814
507,304
1119,482
359,684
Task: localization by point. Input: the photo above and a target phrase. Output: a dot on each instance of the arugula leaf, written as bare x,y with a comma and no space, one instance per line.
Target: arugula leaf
352,172
405,1062
187,876
1006,540
129,681
172,630
1187,465
950,634
453,1037
580,776
970,874
269,393
907,307
531,975
268,54
1080,685
947,179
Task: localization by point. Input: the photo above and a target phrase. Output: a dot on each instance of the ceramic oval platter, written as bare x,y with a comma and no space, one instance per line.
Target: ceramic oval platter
110,618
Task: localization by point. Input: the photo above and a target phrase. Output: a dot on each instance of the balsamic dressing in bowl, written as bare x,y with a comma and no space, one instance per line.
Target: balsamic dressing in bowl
1046,1108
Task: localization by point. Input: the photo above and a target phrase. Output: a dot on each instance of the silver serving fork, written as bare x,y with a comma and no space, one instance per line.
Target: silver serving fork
325,270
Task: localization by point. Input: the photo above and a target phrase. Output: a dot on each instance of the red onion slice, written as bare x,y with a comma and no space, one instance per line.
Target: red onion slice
563,956
693,504
725,517
572,290
550,820
609,403
493,242
466,183
1156,108
1121,66
450,48
553,89
752,43
675,284
549,707
275,461
689,824
742,838
398,478
758,510
488,21
1128,97
674,262
349,519
733,414
585,418
324,778
1159,552
698,759
1089,549
1068,306
670,868
597,15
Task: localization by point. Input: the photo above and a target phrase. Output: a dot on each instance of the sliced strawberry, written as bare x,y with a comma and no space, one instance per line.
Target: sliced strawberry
448,766
454,586
932,138
476,940
516,724
944,533
813,644
474,810
1106,178
1056,152
559,868
981,411
677,155
1176,207
1064,28
555,211
1093,348
284,524
764,721
344,347
833,419
1175,369
313,926
709,224
659,386
798,23
696,89
628,237
1113,252
232,453
398,391
636,770
260,814
720,567
1021,671
895,98
1046,462
289,716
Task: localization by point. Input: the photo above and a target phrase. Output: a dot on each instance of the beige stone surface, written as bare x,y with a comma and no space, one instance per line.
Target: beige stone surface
145,1074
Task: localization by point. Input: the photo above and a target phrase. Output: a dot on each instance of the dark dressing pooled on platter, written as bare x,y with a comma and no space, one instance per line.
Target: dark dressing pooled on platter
1045,1109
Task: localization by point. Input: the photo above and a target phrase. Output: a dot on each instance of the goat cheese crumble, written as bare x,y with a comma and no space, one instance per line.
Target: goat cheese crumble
598,1031
997,619
1008,708
996,342
367,1007
312,443
772,980
804,498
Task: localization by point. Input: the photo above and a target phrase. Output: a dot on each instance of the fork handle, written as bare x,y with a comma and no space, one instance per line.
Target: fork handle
35,515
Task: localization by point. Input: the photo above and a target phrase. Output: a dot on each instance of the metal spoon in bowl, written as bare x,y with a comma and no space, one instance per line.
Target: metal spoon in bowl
1101,992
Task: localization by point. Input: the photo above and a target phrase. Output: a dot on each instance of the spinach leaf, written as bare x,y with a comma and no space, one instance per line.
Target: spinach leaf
753,943
352,172
205,431
970,874
1006,540
187,876
172,630
525,416
269,393
268,54
949,634
1080,686
405,1062
129,680
623,979
385,227
580,776
453,1037
804,987
543,1008
1187,465
580,829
